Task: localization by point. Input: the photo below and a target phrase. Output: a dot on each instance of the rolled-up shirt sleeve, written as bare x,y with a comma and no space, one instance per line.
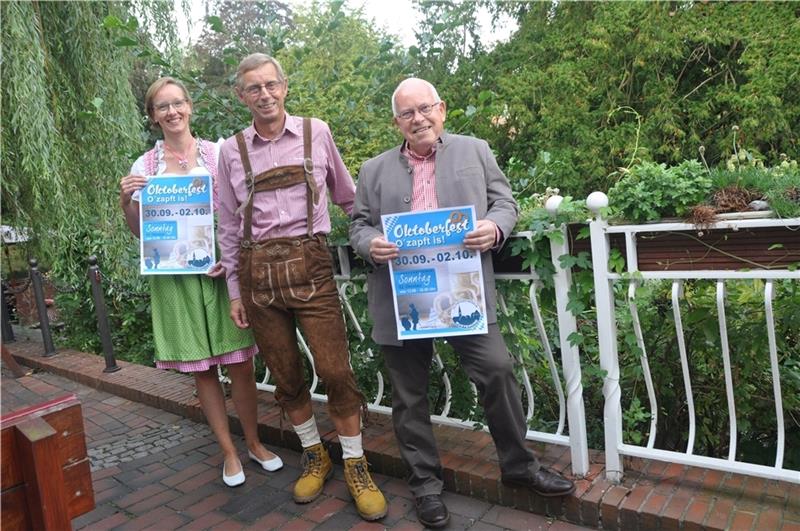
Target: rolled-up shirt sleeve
338,178
230,223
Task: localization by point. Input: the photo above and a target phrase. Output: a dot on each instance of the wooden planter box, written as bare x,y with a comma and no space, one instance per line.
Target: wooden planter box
721,249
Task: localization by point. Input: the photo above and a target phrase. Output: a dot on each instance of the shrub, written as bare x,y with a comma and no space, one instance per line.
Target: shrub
650,191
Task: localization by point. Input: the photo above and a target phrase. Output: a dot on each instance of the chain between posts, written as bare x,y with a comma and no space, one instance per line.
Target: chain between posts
63,288
19,289
36,282
125,292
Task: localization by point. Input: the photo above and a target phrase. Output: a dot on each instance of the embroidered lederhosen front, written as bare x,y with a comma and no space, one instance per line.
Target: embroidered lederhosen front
288,282
281,270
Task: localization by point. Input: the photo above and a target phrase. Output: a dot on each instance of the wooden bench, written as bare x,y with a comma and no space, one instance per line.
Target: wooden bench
46,476
11,363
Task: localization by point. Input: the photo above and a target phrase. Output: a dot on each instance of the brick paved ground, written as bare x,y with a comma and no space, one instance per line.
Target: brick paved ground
653,495
156,470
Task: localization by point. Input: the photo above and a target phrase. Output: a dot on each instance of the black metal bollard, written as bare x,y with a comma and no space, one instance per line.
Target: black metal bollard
41,307
8,331
102,315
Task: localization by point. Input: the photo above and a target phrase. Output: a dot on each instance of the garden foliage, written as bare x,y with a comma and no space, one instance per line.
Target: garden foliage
70,130
584,96
602,85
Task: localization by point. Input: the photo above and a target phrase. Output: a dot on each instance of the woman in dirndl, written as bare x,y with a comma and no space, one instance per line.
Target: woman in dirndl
192,328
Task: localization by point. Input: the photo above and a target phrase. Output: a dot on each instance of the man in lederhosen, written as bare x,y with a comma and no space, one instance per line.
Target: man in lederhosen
272,225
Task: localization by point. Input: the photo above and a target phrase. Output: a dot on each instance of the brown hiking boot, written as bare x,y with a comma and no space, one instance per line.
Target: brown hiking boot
317,468
369,499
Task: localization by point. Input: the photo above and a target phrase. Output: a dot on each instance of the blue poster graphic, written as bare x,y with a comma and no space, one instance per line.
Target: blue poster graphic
176,217
437,282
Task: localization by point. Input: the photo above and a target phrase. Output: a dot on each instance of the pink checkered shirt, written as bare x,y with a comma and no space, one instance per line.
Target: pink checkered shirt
278,213
423,189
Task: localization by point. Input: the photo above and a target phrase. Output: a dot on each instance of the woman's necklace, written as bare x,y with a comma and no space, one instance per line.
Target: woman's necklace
183,159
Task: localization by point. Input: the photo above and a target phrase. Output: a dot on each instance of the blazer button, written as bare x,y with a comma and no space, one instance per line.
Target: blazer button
406,199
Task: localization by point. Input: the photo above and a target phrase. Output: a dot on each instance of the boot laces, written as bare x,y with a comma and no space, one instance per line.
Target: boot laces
361,478
312,462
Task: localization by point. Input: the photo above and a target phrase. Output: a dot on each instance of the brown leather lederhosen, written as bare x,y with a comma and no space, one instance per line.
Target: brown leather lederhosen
287,283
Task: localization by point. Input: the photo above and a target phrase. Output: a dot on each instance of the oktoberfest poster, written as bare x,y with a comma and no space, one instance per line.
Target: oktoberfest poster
437,283
176,219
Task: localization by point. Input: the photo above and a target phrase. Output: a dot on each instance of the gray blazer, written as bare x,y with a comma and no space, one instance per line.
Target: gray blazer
466,174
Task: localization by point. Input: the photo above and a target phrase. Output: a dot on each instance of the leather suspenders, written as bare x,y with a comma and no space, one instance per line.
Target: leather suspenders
280,177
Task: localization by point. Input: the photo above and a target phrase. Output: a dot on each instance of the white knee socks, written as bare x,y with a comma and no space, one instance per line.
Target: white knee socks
309,436
307,431
351,446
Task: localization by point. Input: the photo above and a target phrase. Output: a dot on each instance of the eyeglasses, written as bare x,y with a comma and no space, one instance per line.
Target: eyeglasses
272,87
424,110
163,108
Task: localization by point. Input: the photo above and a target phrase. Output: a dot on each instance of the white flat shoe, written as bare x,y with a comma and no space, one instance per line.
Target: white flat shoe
234,480
270,465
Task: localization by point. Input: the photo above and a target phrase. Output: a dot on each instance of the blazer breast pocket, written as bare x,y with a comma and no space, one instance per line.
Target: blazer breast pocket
469,172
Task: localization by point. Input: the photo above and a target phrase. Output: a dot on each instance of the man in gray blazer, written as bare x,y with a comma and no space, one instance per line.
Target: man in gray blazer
435,169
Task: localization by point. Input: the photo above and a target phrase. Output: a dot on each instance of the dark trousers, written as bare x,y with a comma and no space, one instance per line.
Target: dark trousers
486,361
288,282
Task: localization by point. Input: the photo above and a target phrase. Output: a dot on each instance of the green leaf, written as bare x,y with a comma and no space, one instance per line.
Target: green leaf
112,22
575,306
215,23
583,260
616,262
98,103
576,339
126,41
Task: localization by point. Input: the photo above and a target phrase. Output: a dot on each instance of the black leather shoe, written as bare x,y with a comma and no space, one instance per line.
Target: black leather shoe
431,511
543,483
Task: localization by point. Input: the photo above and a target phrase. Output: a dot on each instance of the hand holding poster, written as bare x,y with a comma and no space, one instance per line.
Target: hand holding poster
176,217
437,282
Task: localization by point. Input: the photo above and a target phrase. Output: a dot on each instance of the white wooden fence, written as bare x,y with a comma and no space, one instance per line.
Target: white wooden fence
565,362
604,279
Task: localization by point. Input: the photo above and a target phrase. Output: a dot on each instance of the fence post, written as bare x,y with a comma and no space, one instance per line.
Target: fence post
41,307
570,355
606,336
102,315
8,331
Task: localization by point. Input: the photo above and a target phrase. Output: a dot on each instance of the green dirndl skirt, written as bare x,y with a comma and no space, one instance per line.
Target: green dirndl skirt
191,319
